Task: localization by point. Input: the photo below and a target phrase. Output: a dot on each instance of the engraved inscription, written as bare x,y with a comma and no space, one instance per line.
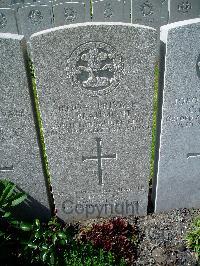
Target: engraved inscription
3,20
99,158
70,14
102,116
100,209
8,134
96,67
35,17
187,112
191,155
102,201
12,113
184,7
7,168
146,8
108,12
198,66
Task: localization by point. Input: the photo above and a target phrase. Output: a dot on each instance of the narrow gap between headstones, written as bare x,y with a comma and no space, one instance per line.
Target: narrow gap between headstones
150,207
39,129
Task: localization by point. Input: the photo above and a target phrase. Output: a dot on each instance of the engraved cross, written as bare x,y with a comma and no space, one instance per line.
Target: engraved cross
190,155
6,168
99,158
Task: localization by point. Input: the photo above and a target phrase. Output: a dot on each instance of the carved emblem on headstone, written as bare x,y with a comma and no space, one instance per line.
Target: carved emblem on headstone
184,7
146,8
70,14
35,17
95,67
198,66
108,12
3,20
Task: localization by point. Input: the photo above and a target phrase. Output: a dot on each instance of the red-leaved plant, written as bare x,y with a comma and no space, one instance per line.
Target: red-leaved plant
115,235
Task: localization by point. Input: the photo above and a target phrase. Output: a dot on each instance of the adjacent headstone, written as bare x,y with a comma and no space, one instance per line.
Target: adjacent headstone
95,87
8,20
5,3
68,13
17,4
178,178
34,18
146,12
184,9
20,160
108,11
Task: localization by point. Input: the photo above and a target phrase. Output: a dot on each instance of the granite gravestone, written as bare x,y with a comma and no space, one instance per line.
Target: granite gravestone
5,3
68,13
108,11
146,12
20,160
184,9
95,88
178,182
34,18
8,21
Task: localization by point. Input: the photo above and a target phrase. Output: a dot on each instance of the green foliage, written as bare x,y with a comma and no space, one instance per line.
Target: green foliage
56,244
155,111
193,238
47,243
9,198
87,255
39,119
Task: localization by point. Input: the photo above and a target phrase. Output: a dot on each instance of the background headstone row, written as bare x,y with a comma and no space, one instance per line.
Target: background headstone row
29,16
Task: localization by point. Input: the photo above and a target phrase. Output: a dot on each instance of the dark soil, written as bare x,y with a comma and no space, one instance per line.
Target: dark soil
162,238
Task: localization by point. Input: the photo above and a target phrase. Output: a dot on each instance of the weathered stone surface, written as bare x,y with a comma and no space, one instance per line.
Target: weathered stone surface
34,18
164,13
20,160
95,87
184,9
178,182
108,11
68,13
8,21
5,3
146,12
127,11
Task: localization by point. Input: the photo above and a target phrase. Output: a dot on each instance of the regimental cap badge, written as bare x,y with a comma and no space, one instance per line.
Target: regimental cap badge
35,16
108,12
146,8
3,20
184,7
95,67
70,14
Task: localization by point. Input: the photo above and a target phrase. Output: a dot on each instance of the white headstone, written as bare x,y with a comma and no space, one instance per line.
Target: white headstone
178,177
95,86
